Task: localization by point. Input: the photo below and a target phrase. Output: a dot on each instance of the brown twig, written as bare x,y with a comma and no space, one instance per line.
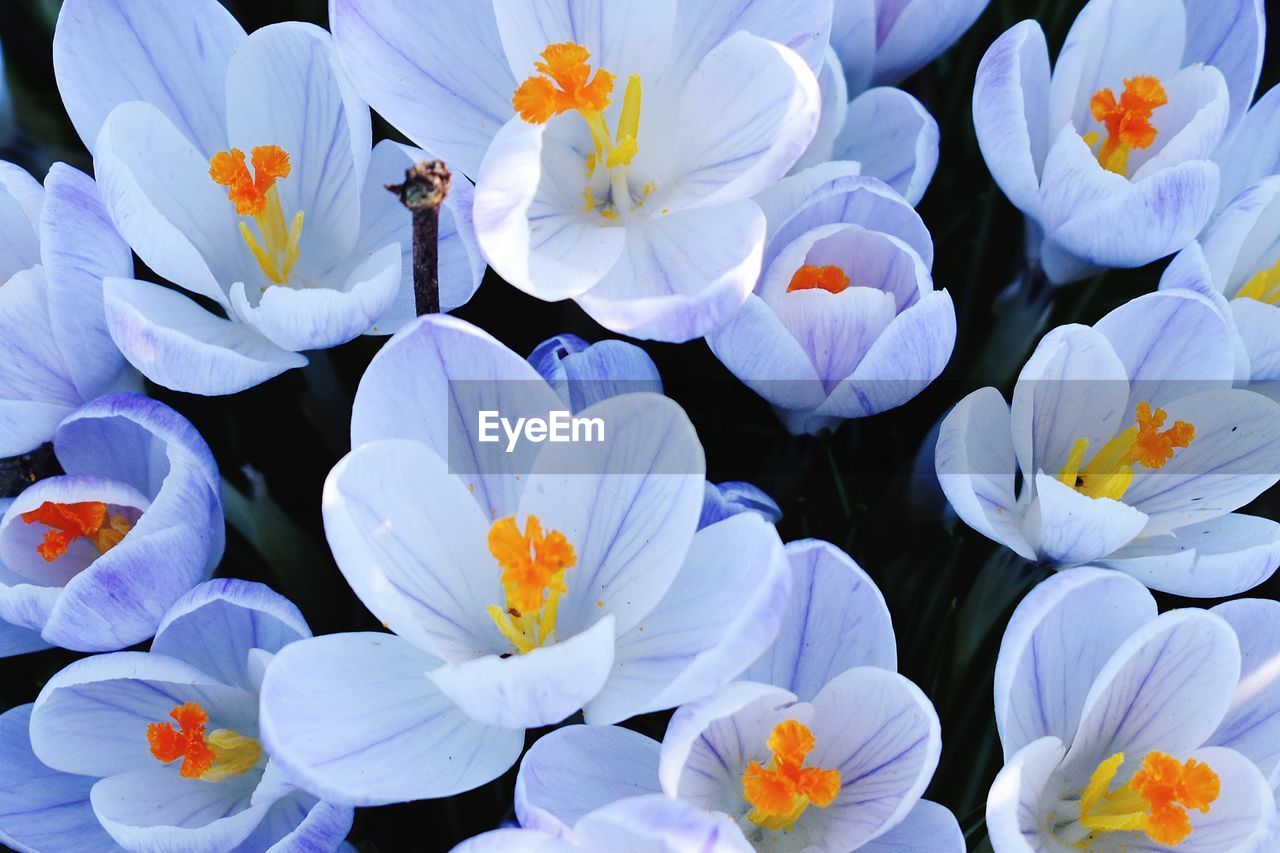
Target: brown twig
424,189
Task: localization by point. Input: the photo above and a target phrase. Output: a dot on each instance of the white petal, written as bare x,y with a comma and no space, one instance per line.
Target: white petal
1252,723
894,138
1014,812
1069,527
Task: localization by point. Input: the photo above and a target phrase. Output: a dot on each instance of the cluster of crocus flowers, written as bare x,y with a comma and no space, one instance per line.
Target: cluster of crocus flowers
520,587
92,558
172,758
821,745
241,169
55,352
1123,729
1121,450
1111,155
845,322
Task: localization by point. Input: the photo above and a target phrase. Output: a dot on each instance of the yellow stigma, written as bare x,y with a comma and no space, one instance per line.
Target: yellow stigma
565,82
276,245
1155,801
1127,122
1110,472
781,792
1263,286
533,567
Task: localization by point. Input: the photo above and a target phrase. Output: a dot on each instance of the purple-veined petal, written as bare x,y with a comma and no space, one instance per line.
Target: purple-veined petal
701,26
1252,724
1229,36
1015,815
912,34
894,139
927,827
355,719
1069,527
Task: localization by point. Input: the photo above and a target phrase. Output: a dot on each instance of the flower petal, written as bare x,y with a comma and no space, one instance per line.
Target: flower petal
514,840
541,688
885,753
928,826
40,808
1250,153
722,610
176,343
681,276
300,822
79,247
216,625
804,27
1167,687
128,50
918,33
766,104
572,771
1011,116
584,374
297,319
894,138
1014,816
977,468
429,384
354,718
853,37
1071,528
412,72
766,357
835,619
1252,724
1212,558
660,824
1057,642
412,544
629,506
18,640
1229,36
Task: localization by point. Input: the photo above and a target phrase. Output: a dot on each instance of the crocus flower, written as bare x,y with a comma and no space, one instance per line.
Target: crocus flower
881,42
824,748
521,586
616,145
1111,156
55,353
644,823
583,374
1127,730
239,168
724,500
1252,151
160,751
1236,264
90,560
1125,446
844,322
887,132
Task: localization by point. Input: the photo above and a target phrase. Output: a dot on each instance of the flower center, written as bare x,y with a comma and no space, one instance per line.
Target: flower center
533,567
1263,286
1127,122
781,792
1155,801
565,83
69,522
831,279
1110,472
213,757
275,246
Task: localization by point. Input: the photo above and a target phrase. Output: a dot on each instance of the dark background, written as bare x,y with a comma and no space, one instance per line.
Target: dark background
867,488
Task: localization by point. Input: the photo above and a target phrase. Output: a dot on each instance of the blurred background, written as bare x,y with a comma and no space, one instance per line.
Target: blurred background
869,487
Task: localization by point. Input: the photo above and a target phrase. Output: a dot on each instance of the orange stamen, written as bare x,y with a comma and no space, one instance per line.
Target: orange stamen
781,792
532,564
249,192
69,522
1153,448
186,742
1156,800
1128,121
566,84
832,279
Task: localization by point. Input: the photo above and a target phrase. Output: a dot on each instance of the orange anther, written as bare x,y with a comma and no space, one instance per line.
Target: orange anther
782,791
567,84
1128,121
830,278
69,522
187,741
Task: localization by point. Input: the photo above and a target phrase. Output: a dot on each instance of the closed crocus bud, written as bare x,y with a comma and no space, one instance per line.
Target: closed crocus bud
725,500
91,559
1110,154
844,322
583,374
57,244
161,750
